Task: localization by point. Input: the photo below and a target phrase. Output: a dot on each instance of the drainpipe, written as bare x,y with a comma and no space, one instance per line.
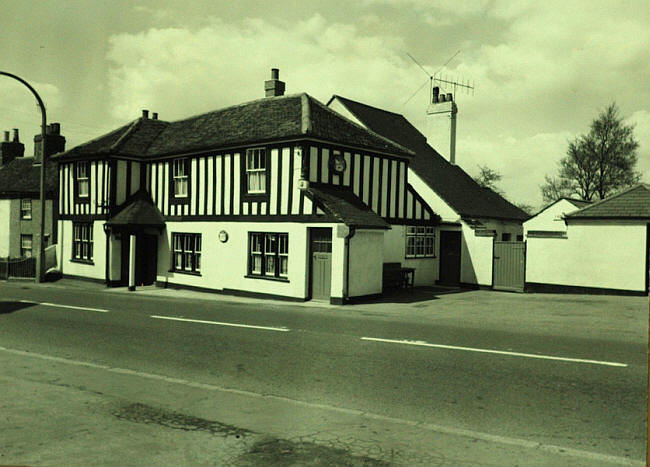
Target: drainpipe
346,288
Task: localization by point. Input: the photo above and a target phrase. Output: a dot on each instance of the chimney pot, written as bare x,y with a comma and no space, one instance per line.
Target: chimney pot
16,139
436,94
145,114
154,115
275,73
6,136
450,97
56,128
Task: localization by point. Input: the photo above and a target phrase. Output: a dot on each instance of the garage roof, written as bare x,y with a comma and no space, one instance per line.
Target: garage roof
633,203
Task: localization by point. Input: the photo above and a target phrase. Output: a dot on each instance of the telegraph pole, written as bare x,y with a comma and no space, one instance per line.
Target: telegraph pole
41,251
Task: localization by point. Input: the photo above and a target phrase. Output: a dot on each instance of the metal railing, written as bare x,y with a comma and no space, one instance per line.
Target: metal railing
21,267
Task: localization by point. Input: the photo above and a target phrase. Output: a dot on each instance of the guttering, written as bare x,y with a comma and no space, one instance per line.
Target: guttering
346,291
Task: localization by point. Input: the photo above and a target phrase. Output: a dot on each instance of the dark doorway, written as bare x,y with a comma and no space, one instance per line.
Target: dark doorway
450,242
320,250
146,259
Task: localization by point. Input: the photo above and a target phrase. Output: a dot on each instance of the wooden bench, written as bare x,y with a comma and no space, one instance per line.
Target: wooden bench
392,276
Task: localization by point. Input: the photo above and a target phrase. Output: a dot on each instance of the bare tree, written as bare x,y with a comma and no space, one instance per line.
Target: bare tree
598,163
488,178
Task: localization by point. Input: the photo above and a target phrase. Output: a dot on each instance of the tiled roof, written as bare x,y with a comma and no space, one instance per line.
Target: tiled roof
633,203
138,211
449,181
22,177
132,140
344,206
259,121
578,203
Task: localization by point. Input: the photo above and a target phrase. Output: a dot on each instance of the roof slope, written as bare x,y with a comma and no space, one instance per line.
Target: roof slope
449,181
578,203
344,206
22,177
633,203
259,121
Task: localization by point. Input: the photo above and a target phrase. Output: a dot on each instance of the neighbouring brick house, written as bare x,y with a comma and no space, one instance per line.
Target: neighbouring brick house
20,191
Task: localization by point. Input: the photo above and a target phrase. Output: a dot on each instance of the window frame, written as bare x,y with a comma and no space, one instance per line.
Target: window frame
24,216
173,196
278,257
423,244
84,252
24,237
190,251
79,198
259,195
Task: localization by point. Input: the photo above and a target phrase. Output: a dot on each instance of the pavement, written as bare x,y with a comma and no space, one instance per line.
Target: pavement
141,418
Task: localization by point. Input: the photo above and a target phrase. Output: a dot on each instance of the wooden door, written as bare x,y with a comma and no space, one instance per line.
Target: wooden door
509,266
450,242
146,259
321,263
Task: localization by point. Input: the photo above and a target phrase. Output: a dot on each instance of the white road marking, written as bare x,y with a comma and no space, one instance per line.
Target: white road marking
219,323
100,310
499,352
559,450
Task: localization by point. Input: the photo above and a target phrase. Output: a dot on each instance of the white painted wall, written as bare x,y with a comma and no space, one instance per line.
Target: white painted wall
64,252
5,217
366,262
475,257
550,219
224,265
394,246
606,254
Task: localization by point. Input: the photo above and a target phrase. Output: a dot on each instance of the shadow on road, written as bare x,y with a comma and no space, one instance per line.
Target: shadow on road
414,295
7,307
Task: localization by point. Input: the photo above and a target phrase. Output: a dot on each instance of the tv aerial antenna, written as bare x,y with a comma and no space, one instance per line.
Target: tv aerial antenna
467,86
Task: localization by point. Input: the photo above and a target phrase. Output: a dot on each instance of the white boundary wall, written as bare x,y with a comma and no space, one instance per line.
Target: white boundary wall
603,254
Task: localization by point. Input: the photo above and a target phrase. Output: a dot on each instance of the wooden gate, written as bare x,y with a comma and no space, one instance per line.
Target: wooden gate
509,266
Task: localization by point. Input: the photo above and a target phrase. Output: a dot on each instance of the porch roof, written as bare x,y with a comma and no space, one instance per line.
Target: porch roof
137,211
344,206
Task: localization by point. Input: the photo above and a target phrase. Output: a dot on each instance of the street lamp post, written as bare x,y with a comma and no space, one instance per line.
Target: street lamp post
41,250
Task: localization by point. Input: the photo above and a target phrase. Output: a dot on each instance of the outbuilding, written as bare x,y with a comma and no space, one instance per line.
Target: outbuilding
602,248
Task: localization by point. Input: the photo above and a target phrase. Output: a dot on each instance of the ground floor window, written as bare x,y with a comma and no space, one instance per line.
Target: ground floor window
187,252
268,254
420,242
82,241
25,246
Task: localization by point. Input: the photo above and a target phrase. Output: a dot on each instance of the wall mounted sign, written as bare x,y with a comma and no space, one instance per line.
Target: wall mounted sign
223,236
337,163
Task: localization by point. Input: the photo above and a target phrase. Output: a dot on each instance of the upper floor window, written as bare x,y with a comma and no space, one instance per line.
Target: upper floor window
180,175
82,178
256,171
25,208
420,242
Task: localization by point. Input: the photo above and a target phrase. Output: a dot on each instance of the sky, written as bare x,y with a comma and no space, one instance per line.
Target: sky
542,71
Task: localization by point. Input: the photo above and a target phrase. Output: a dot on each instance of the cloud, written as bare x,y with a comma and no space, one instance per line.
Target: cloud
179,71
458,7
539,82
19,108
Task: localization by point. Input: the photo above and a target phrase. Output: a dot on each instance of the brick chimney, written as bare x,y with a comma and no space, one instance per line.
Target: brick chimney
9,150
55,142
274,87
